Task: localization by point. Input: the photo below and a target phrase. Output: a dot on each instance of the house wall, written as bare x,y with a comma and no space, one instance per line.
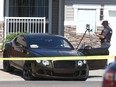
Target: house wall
75,38
71,19
55,16
58,17
1,20
71,2
54,13
1,10
55,22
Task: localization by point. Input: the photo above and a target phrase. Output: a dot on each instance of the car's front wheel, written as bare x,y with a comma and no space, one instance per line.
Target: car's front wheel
27,71
87,74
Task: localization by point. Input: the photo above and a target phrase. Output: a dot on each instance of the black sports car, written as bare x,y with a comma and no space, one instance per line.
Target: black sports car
44,45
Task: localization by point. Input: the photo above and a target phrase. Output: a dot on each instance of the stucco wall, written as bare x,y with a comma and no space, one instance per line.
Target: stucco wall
75,38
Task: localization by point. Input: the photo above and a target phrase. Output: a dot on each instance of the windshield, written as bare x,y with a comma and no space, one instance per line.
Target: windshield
50,43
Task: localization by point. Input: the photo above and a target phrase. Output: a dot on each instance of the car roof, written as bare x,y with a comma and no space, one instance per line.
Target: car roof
41,35
29,37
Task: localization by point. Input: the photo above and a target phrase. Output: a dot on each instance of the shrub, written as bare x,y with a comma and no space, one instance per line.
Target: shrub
11,36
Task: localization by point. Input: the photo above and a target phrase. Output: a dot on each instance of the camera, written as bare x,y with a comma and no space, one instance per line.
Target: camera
88,26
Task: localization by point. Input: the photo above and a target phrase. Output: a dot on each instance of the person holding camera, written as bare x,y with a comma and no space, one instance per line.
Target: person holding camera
105,35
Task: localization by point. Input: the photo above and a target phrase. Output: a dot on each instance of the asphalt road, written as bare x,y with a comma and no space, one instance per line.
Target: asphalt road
50,84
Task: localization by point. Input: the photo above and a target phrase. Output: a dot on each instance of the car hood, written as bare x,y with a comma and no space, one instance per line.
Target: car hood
49,53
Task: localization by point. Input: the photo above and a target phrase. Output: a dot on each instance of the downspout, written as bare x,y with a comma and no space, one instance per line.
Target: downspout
50,17
61,17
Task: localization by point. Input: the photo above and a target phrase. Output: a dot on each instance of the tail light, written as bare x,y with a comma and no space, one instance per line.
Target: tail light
109,79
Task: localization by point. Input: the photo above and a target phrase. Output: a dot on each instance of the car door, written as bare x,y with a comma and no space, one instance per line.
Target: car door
19,45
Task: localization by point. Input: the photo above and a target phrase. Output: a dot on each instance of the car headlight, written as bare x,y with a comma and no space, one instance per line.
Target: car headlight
80,63
38,61
45,62
84,61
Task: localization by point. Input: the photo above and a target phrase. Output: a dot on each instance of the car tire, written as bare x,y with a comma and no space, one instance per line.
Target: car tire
87,74
6,63
84,79
27,71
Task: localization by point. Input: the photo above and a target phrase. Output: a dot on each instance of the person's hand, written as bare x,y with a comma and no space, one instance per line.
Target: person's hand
96,33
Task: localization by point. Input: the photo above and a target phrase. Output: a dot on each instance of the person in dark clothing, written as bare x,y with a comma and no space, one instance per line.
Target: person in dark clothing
105,35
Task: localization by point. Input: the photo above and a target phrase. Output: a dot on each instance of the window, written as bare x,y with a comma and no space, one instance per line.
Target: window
19,43
112,13
28,8
49,43
101,14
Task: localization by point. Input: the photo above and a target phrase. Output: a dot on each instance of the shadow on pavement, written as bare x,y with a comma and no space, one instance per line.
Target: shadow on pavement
97,64
16,72
94,76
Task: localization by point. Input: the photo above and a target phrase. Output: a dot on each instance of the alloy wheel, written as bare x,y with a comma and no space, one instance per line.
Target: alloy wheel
27,71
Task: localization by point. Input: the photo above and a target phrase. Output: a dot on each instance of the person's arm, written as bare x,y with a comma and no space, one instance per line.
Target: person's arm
103,35
100,36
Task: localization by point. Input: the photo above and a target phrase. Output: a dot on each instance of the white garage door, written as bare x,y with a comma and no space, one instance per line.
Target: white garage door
86,16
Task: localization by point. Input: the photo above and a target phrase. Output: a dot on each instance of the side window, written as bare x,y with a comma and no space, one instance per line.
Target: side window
19,43
15,42
65,44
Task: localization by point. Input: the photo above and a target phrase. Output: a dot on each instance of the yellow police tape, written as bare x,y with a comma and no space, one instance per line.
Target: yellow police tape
62,58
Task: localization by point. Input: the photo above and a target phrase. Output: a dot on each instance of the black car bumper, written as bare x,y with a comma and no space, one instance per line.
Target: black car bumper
61,73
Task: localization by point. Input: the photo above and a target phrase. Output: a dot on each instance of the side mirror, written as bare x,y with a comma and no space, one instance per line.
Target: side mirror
88,47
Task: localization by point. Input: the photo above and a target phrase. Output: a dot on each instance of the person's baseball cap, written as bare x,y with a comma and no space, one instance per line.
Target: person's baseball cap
105,23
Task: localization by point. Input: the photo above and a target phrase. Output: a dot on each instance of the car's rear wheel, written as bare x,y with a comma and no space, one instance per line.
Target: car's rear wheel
6,63
27,71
